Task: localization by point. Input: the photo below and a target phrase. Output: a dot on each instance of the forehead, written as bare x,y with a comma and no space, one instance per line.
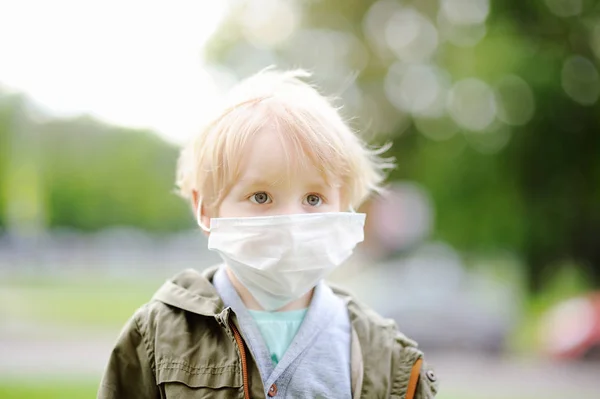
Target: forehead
273,158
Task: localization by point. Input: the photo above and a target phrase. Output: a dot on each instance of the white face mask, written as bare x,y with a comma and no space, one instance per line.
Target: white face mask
280,258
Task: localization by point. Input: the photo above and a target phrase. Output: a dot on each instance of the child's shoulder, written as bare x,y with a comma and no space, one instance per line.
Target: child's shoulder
189,291
380,339
364,317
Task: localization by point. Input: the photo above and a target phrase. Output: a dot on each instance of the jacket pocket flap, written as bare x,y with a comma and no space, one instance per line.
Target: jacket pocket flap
198,376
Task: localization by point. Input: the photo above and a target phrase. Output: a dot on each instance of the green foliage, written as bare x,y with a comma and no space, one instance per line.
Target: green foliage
4,146
459,179
86,175
98,176
49,390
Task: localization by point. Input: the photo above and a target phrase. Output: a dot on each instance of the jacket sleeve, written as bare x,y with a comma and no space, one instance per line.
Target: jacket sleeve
427,386
404,357
130,371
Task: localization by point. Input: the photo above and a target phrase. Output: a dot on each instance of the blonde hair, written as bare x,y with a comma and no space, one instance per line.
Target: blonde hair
307,123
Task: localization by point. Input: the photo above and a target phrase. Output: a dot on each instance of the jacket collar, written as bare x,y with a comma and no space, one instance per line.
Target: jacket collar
192,291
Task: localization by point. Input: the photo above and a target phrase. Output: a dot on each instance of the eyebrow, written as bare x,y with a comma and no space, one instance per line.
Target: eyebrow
260,181
253,181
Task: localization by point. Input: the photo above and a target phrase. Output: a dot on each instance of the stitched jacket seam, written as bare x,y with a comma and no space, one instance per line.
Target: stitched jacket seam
147,346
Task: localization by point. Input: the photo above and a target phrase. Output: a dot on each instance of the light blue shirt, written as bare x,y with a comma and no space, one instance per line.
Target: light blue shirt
317,362
278,329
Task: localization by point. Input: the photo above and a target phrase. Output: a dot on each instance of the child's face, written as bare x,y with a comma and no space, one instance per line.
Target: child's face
265,188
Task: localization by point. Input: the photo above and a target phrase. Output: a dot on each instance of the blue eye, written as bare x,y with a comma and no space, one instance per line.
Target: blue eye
313,200
260,198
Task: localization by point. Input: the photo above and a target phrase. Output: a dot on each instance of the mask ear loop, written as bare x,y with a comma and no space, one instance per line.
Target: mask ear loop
198,218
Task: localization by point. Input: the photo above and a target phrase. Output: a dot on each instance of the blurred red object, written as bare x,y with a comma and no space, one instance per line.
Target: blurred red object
571,329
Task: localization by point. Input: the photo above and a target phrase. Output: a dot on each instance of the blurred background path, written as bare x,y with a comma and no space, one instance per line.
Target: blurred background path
83,356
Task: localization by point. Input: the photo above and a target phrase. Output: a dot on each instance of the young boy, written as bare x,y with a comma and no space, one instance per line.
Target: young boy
273,181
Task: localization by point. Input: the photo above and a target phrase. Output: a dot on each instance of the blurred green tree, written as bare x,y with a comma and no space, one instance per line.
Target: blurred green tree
98,176
92,175
5,114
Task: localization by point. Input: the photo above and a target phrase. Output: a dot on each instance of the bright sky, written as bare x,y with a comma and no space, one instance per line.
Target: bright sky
128,62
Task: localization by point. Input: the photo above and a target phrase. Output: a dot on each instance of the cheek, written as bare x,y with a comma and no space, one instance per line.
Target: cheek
225,209
233,207
228,206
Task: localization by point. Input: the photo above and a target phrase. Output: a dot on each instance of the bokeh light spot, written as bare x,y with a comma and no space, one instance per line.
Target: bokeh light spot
595,39
461,35
471,104
268,23
465,12
580,80
490,140
564,8
437,129
374,25
411,36
419,89
516,104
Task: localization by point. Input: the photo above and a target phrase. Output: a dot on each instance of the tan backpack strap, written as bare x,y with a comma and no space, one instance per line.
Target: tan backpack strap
414,379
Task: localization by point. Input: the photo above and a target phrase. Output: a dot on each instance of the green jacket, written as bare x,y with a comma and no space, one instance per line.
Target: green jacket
184,343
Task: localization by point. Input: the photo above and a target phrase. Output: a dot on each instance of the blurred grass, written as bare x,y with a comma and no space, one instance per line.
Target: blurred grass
86,390
90,302
50,390
107,302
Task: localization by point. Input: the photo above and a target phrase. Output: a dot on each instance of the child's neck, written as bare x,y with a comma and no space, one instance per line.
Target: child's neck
252,304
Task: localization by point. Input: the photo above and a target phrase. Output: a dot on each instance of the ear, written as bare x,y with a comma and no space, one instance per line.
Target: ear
204,216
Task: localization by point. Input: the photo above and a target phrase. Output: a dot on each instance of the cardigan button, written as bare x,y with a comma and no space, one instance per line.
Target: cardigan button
272,390
431,375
